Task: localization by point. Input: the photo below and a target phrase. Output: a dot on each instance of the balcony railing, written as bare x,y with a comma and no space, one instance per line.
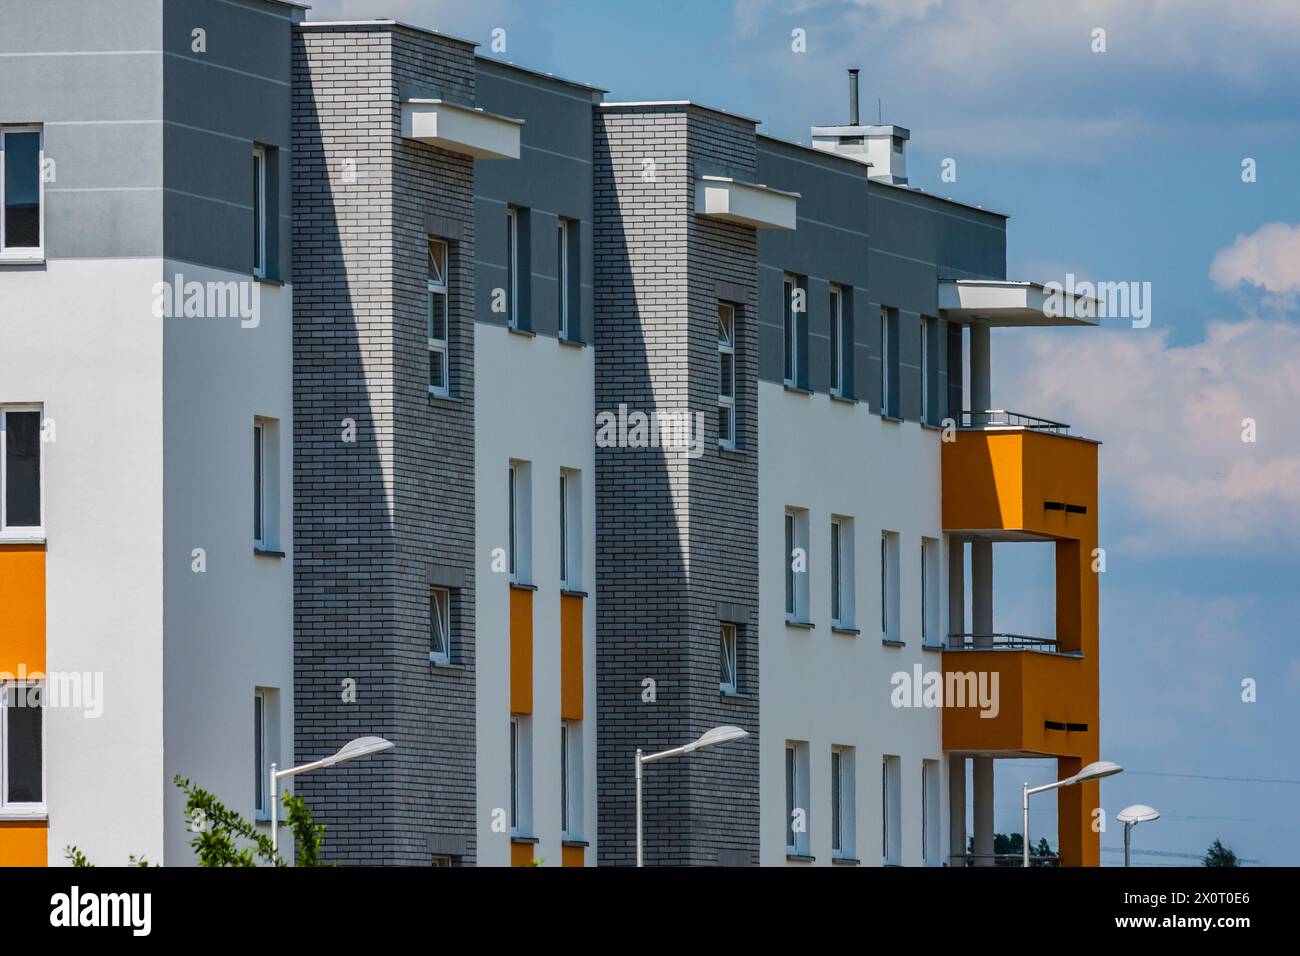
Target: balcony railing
1001,418
1002,642
1001,859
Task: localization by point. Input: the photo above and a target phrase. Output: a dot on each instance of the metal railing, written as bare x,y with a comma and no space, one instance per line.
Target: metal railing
1001,418
1000,859
1001,642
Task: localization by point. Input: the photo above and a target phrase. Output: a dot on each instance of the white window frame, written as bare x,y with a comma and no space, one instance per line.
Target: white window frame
520,517
259,211
21,533
512,266
571,780
261,793
930,600
889,586
27,809
24,253
884,363
797,798
440,625
797,582
259,484
728,659
842,576
521,775
843,803
439,291
925,369
562,277
790,330
890,811
727,347
571,526
837,340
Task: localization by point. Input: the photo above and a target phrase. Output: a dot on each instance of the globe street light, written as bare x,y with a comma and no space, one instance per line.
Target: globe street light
1131,817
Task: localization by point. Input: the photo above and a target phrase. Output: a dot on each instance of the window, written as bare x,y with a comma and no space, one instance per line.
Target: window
259,212
439,625
837,340
521,775
889,586
266,484
842,604
726,375
21,448
512,268
794,306
891,835
261,769
925,369
571,779
930,592
439,366
22,749
440,860
843,836
563,242
728,680
520,522
886,379
570,529
930,853
796,565
796,798
22,188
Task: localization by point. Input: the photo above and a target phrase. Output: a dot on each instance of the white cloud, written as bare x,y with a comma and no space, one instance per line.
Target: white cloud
1170,417
1268,258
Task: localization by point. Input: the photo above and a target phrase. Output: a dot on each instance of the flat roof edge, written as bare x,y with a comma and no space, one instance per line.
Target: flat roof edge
686,104
540,74
378,23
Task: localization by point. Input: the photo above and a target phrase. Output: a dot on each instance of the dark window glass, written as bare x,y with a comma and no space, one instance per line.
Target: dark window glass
22,478
24,745
22,190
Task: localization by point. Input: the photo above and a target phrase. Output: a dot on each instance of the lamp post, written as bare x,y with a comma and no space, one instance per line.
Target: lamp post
718,735
1094,771
361,747
1131,817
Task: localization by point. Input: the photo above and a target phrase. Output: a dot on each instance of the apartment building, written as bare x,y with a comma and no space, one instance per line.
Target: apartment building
581,427
146,560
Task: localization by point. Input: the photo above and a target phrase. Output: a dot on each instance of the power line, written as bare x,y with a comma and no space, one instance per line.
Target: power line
1204,776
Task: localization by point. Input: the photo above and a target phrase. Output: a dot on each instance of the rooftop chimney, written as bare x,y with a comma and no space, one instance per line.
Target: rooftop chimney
883,147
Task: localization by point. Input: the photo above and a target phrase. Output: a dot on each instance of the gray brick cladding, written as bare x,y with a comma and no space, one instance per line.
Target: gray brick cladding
376,517
676,536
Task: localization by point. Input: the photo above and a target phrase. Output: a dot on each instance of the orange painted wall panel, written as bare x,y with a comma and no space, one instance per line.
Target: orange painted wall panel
521,651
24,843
22,608
574,856
571,657
521,854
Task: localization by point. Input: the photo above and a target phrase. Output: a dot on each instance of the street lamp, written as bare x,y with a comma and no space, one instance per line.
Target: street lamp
1094,771
1131,817
718,735
361,747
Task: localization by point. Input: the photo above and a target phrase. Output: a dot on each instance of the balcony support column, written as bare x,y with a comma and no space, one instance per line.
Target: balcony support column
981,597
981,385
956,808
982,771
956,586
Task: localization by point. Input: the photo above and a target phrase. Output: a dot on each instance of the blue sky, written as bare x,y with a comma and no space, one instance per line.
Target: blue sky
1116,165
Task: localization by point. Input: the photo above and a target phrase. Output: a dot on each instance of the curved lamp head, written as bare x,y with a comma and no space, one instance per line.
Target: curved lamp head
718,735
361,747
1138,813
1096,770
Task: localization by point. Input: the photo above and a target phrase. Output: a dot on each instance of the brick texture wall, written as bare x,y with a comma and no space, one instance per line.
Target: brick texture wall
380,516
676,536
